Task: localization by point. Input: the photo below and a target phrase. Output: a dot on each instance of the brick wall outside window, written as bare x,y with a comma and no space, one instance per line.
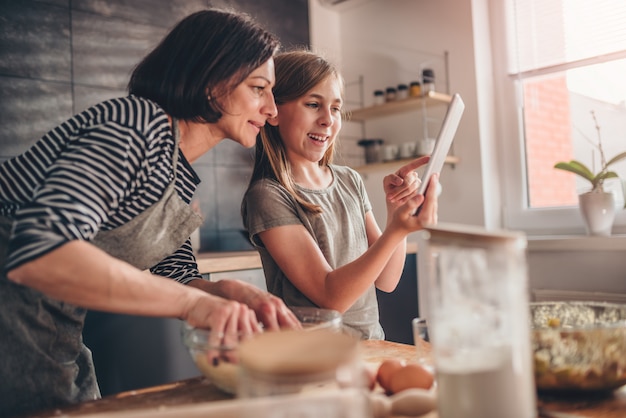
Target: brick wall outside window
548,141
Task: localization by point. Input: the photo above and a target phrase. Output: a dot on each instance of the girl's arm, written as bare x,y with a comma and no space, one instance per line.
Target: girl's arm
299,257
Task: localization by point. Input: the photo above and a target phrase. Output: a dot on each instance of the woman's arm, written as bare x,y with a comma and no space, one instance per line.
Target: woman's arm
80,273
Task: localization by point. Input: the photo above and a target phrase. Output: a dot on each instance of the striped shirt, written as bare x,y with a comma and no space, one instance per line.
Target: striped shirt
96,171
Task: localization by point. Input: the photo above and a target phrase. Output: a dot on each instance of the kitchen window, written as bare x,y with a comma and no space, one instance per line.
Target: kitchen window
557,62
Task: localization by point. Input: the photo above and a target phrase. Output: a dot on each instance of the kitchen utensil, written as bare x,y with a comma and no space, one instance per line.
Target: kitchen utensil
478,321
579,346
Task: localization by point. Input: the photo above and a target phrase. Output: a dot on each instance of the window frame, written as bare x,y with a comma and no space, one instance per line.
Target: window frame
511,151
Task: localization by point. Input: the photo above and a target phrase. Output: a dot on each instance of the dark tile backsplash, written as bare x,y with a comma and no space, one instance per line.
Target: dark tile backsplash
28,109
35,41
58,57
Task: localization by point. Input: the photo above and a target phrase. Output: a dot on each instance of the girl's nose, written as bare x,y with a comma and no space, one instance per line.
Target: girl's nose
326,118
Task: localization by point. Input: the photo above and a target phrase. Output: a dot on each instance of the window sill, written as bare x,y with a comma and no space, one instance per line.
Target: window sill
576,243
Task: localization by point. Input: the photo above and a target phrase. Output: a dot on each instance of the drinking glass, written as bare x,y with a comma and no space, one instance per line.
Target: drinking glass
420,338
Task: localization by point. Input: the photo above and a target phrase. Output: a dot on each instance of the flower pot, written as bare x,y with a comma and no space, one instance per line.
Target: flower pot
598,210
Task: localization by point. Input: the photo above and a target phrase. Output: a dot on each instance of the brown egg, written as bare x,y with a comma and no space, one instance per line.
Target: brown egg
386,369
410,376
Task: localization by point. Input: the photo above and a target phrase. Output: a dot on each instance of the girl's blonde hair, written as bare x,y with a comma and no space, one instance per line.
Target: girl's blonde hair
297,72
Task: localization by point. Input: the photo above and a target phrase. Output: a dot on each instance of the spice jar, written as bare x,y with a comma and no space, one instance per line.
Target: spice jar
428,78
415,89
372,149
403,91
390,95
379,97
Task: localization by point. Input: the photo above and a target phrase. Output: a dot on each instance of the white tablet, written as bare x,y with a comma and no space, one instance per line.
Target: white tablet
444,140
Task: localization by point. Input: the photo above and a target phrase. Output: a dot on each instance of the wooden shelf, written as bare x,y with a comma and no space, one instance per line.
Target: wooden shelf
395,164
398,106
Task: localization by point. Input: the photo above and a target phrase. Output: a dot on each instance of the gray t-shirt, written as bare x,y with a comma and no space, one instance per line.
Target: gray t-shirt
339,231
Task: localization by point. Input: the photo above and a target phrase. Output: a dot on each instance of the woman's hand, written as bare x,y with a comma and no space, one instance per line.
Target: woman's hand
402,185
229,322
270,310
223,317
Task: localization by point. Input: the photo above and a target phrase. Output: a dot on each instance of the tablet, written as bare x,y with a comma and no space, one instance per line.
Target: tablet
444,140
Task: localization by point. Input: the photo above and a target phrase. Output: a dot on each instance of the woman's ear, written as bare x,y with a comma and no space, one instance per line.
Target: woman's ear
273,121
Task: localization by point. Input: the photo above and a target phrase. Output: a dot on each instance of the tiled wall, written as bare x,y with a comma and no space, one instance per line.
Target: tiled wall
58,57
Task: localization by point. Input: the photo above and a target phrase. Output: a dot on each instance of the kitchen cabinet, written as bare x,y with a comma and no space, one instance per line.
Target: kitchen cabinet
398,308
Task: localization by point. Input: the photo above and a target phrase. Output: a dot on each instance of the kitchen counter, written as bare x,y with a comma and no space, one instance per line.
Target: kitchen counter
216,262
199,390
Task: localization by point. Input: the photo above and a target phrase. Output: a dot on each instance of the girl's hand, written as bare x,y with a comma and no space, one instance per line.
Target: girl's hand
402,185
428,211
404,218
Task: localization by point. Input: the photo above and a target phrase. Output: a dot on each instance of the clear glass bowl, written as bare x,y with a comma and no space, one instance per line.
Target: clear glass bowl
224,372
579,346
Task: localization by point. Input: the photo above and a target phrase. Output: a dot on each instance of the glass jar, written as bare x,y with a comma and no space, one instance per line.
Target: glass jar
428,81
478,321
372,149
390,94
403,92
379,97
415,89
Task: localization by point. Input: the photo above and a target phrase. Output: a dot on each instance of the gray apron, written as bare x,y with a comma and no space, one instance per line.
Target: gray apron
43,361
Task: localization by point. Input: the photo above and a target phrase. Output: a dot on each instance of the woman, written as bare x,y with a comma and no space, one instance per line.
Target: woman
105,196
311,220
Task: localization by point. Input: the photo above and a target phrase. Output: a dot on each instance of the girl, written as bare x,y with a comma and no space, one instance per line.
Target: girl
311,220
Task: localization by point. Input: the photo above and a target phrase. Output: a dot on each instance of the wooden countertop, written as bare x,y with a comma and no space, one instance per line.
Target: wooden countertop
228,261
216,262
199,390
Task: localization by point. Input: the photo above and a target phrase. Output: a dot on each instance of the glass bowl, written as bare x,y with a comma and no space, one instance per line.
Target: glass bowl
224,370
579,346
318,318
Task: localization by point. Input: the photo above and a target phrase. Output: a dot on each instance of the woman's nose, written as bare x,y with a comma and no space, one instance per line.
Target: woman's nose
269,107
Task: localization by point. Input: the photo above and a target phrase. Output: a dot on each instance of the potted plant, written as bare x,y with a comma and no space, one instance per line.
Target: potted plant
596,205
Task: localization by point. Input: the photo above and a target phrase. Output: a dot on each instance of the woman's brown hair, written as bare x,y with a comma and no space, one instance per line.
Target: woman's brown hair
203,58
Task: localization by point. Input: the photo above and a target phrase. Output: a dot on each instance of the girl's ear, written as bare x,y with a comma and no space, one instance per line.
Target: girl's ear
273,121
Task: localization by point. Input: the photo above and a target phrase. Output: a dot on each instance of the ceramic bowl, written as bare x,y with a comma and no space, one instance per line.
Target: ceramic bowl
579,346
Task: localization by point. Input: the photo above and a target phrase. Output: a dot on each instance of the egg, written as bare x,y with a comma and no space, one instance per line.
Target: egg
386,369
412,375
